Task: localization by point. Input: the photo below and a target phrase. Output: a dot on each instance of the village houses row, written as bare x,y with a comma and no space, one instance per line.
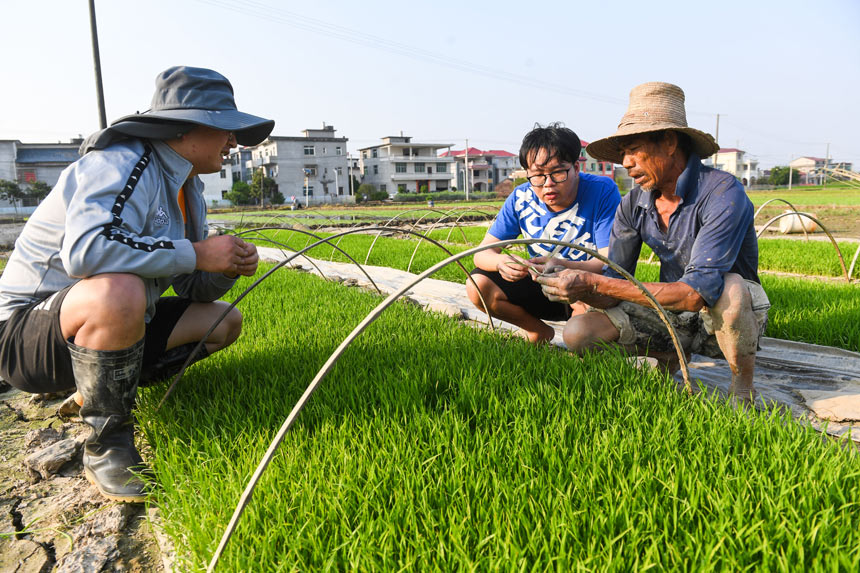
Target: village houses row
316,167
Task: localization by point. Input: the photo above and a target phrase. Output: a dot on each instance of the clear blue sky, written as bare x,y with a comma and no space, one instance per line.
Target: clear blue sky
783,75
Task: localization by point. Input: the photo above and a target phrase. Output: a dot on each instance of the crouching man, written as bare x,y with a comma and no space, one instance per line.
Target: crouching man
699,223
80,298
557,203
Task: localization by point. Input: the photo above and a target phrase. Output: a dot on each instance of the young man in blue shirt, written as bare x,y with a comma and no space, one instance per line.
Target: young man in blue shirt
698,221
557,203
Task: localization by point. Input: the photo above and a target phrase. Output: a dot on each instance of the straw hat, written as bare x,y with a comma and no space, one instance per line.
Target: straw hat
654,106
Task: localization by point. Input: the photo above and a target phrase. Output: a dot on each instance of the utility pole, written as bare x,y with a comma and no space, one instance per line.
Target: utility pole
790,159
100,93
826,165
717,137
466,171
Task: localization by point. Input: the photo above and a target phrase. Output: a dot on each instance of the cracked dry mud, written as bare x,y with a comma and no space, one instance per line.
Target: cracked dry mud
51,518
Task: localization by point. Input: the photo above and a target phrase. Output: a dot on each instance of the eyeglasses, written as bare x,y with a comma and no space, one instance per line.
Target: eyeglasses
559,176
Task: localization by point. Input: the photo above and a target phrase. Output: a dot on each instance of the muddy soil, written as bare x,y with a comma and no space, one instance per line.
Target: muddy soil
51,518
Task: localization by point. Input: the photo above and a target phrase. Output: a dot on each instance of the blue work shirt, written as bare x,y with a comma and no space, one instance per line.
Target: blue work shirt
711,232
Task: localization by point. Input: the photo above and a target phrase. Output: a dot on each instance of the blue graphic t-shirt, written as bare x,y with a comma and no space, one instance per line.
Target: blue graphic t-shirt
587,222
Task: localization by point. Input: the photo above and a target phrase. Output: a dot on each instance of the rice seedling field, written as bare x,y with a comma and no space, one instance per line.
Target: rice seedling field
798,256
433,446
803,310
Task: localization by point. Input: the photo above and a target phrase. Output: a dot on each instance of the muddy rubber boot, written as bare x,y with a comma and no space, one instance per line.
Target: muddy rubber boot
170,363
107,381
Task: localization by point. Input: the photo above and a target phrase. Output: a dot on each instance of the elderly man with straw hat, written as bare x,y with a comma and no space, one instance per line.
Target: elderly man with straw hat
80,298
699,223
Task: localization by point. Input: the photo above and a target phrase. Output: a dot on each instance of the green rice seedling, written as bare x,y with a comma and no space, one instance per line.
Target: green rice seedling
797,256
436,447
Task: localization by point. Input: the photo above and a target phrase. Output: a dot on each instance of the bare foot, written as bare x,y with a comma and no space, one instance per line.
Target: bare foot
544,336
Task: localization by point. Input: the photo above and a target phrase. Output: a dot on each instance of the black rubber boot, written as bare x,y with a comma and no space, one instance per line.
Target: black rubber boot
170,363
107,381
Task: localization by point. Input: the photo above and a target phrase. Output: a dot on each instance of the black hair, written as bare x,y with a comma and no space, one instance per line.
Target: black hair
557,140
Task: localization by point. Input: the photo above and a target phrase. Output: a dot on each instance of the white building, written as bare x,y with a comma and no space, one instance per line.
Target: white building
812,169
27,163
399,165
734,161
588,164
486,168
312,169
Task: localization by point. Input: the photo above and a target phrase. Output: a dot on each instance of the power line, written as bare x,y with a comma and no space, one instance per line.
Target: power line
274,14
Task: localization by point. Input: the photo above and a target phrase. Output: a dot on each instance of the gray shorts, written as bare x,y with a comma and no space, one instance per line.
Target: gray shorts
642,327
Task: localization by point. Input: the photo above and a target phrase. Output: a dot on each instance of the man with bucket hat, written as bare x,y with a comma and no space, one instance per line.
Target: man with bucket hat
80,298
699,223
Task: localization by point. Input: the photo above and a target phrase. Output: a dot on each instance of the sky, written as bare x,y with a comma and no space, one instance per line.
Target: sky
783,76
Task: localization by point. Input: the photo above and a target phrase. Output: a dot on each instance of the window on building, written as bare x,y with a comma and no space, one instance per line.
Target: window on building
420,168
401,187
340,190
374,153
365,170
376,169
223,174
324,150
383,187
339,170
26,176
441,168
337,151
308,189
309,150
364,155
405,152
311,170
400,168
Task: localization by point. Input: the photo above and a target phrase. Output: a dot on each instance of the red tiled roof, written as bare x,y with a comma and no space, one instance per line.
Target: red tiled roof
476,151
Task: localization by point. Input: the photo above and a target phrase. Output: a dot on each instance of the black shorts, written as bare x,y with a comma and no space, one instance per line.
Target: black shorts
528,294
34,357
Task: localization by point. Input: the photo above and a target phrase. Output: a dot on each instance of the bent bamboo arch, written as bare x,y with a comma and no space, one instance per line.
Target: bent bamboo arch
823,228
793,208
270,272
373,315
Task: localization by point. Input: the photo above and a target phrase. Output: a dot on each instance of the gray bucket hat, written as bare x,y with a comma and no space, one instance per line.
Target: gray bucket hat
654,106
198,96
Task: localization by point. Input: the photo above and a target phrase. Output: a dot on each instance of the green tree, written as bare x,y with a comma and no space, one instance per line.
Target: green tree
622,187
262,187
38,190
779,175
240,194
11,191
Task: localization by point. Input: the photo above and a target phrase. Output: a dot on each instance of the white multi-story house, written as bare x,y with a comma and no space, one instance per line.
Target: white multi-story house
486,168
812,170
588,164
399,165
733,161
27,163
309,170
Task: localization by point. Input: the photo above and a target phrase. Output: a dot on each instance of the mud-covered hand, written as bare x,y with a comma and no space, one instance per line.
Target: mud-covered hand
545,265
226,254
569,285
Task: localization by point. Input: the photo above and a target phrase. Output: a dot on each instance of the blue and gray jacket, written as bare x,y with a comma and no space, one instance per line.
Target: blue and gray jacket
114,210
